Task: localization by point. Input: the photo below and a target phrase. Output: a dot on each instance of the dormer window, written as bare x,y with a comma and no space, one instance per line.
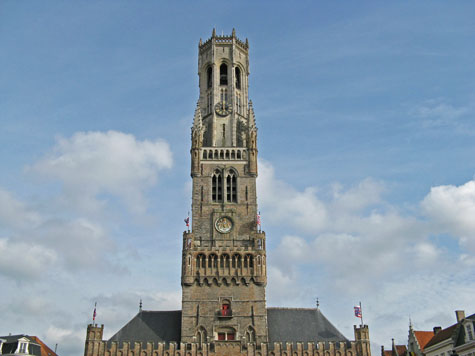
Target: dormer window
223,74
22,348
469,331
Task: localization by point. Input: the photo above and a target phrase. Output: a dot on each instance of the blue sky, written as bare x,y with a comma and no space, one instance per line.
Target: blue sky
366,139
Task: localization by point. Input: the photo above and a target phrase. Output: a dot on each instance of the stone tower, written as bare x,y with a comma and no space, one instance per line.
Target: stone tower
224,255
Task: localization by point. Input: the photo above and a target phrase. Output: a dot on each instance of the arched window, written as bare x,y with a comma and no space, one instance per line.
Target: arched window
217,187
223,74
226,308
201,337
231,187
238,78
250,335
209,77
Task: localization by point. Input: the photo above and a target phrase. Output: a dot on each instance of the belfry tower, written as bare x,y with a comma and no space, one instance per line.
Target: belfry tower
224,255
224,270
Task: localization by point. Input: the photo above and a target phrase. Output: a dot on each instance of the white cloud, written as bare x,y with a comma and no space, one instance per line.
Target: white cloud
23,260
284,202
437,113
16,214
452,210
93,163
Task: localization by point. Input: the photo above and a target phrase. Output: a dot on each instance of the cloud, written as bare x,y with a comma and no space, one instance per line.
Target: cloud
365,248
22,260
92,164
452,209
286,203
16,214
436,113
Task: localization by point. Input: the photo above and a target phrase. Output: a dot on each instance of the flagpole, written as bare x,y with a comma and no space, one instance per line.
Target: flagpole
361,310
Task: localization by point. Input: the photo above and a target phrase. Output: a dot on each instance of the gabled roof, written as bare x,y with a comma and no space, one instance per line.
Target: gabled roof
423,337
400,350
442,335
45,350
300,325
151,326
284,325
461,334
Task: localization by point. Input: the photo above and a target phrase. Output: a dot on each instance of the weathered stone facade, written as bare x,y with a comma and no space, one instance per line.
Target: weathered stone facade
224,272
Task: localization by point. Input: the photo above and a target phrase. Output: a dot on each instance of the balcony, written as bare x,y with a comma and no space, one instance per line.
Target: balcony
225,313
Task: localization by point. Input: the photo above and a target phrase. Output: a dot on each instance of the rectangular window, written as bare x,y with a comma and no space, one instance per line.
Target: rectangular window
221,336
230,336
23,347
469,332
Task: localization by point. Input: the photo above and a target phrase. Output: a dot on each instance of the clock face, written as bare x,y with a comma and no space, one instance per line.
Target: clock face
224,224
223,108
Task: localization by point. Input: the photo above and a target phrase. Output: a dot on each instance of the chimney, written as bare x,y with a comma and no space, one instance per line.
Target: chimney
437,329
460,314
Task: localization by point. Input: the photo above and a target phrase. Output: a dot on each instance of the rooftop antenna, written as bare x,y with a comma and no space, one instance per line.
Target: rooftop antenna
318,303
140,305
55,348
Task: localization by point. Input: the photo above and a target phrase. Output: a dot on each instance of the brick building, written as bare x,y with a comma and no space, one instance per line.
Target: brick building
224,265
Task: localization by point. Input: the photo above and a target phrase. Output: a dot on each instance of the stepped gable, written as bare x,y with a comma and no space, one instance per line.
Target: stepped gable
151,326
423,337
301,325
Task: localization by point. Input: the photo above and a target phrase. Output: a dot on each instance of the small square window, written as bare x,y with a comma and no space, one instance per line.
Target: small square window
221,336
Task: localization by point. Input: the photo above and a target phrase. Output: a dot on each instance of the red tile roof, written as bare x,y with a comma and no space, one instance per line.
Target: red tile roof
401,349
45,350
423,337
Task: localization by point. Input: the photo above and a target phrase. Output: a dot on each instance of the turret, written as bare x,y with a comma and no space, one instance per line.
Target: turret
94,344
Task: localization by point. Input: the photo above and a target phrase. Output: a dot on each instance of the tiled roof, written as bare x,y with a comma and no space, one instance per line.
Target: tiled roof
151,326
442,335
284,325
423,337
401,349
300,325
45,350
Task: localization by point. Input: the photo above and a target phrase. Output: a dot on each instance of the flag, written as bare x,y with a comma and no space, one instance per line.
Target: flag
358,312
259,219
187,221
94,313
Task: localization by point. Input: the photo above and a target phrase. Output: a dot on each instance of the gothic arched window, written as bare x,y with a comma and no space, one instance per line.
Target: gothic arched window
223,74
231,187
201,337
250,335
238,78
217,187
209,77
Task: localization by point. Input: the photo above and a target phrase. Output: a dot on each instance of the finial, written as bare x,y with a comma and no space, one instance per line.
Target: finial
234,32
201,42
213,34
318,303
247,42
140,305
